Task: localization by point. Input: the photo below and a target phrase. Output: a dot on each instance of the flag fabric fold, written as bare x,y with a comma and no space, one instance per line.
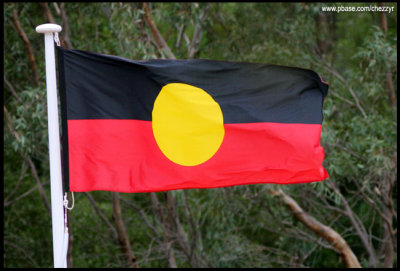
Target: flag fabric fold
158,125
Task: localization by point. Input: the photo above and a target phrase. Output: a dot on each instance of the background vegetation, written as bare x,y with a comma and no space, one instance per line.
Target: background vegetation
242,226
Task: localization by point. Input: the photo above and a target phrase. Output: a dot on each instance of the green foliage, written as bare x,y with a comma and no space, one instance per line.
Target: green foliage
240,226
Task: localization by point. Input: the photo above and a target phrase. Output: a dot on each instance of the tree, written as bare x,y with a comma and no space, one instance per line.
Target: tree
242,226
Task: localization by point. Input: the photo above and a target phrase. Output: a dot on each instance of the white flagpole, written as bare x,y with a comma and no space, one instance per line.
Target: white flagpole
57,211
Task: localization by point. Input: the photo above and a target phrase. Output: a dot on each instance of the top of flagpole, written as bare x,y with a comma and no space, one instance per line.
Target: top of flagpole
48,28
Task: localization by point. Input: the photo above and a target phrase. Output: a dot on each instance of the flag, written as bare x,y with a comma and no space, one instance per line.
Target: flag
158,125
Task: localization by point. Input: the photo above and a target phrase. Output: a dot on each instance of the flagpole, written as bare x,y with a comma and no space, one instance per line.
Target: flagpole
57,211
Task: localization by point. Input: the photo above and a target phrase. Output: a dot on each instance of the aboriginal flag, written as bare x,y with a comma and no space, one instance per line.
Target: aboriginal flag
157,125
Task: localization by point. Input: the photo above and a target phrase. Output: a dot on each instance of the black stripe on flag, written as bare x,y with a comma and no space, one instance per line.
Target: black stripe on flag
110,87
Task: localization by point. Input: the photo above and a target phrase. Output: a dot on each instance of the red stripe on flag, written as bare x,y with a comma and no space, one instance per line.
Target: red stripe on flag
123,156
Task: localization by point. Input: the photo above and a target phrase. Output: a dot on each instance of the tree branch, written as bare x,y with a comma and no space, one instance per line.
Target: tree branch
158,38
46,12
12,90
8,203
21,176
65,26
167,239
324,231
34,263
181,29
121,231
174,221
195,233
29,161
198,30
48,16
28,47
56,8
358,226
337,75
38,182
389,80
143,215
100,213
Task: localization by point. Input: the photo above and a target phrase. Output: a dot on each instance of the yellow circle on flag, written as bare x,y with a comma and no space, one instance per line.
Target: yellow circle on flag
187,123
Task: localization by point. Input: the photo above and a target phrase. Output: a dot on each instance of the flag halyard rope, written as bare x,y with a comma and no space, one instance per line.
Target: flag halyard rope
56,39
65,241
